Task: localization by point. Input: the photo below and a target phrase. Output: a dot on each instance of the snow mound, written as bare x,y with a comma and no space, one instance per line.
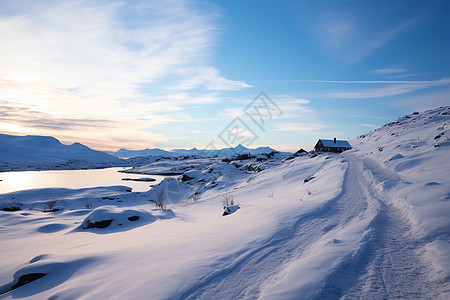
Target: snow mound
114,217
42,275
224,171
172,190
228,210
218,175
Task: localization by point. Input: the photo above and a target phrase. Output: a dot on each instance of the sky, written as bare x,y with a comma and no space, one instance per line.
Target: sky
213,74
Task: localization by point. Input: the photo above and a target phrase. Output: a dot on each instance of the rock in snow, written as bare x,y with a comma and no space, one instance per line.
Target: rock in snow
111,216
228,210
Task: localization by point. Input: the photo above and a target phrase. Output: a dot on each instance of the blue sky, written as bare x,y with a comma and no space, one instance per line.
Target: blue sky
180,74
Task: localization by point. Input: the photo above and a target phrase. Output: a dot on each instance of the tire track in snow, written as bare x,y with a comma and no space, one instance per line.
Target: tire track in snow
242,277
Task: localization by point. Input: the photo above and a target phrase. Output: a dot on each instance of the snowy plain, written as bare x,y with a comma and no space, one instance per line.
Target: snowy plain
369,223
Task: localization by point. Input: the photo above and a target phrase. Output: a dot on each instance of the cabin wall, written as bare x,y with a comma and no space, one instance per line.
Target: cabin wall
319,147
331,149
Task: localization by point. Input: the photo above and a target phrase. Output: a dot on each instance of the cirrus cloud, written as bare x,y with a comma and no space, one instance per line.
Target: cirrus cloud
115,62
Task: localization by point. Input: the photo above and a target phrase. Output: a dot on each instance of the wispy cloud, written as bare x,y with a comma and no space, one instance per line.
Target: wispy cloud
368,116
389,71
39,120
82,61
210,78
85,45
291,107
370,125
362,89
299,127
425,101
350,81
386,88
406,75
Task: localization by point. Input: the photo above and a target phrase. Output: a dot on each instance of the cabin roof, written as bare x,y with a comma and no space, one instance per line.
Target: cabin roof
339,143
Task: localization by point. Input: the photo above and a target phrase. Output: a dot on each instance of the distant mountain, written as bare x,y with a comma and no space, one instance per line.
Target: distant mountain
124,153
46,149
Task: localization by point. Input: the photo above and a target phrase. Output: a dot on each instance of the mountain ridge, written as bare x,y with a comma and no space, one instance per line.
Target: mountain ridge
47,149
125,153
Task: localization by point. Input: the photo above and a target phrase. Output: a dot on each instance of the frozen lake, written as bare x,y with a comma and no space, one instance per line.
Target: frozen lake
73,179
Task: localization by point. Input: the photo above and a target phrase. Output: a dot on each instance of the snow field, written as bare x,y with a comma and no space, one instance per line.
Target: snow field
369,223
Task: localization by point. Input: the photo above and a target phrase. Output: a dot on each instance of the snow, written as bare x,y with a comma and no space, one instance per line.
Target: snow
116,217
408,150
57,271
368,223
230,209
172,189
173,167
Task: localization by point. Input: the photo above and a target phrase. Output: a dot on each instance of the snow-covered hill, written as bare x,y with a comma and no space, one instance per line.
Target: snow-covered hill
416,149
369,223
41,150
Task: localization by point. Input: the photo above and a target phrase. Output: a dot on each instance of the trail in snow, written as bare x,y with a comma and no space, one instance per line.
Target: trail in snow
389,267
241,277
385,266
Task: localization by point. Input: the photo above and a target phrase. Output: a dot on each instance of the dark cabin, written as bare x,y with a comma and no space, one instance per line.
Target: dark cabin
332,145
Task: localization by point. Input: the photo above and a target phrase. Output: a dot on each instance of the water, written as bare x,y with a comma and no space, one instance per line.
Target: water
73,179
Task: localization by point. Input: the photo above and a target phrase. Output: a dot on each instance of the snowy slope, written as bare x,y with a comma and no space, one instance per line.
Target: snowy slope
370,223
40,150
403,176
415,151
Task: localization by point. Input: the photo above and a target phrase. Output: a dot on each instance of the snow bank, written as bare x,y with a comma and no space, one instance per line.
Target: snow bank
173,166
171,190
43,274
66,199
112,217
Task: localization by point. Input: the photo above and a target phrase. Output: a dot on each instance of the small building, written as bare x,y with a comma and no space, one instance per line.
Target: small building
332,145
